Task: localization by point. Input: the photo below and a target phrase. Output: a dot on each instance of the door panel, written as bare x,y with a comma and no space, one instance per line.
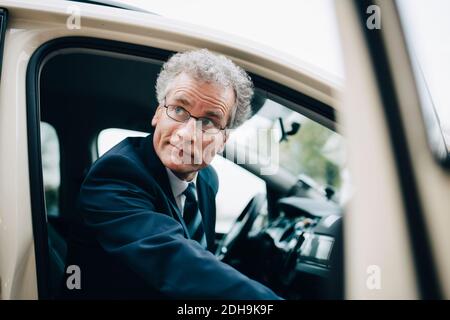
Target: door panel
376,235
413,197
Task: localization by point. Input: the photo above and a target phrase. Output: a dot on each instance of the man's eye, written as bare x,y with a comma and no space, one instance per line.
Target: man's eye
179,110
207,122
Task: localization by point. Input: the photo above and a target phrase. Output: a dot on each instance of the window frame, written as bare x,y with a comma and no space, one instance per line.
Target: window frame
312,108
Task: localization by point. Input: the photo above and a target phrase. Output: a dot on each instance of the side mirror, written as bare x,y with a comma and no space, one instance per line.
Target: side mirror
284,134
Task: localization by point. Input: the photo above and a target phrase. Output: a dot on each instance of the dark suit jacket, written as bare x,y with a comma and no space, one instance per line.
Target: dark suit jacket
133,242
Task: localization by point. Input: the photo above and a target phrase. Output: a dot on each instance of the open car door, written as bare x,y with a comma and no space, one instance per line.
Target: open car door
396,226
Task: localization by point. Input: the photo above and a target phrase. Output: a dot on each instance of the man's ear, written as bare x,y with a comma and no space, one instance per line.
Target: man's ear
156,116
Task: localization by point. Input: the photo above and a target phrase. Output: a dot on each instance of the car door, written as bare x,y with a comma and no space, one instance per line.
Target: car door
36,29
396,227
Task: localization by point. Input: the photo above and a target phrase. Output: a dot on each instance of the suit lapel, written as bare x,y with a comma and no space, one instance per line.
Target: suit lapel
204,198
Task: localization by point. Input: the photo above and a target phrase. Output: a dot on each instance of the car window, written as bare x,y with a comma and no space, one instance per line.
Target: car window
50,168
427,27
307,149
108,138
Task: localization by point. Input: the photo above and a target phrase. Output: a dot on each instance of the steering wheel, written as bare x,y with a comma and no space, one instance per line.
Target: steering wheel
241,227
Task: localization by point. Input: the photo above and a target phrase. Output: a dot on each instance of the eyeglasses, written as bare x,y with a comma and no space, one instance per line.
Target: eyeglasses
180,114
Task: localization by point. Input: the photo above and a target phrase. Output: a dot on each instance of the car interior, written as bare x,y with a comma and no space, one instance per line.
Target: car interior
289,238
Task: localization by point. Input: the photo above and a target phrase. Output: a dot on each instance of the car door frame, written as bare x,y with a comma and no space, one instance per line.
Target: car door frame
322,111
394,219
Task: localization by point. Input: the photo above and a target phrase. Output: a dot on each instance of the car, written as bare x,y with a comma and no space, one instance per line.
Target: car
342,187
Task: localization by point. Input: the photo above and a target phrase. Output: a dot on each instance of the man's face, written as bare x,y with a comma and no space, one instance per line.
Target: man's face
182,146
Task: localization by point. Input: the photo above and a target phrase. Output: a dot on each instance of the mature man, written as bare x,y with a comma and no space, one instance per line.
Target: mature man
148,204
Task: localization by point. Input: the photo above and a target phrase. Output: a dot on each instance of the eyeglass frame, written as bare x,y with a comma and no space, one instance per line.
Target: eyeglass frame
190,116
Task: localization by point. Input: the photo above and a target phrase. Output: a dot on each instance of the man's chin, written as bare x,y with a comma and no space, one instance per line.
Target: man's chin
183,168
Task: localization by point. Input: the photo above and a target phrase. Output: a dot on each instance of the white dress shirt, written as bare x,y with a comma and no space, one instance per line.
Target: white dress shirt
178,186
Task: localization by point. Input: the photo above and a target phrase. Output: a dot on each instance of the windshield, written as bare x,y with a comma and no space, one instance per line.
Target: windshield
312,153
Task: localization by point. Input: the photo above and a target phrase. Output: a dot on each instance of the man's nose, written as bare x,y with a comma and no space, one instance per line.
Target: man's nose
188,130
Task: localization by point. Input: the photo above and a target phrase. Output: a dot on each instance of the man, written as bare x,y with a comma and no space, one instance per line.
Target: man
148,204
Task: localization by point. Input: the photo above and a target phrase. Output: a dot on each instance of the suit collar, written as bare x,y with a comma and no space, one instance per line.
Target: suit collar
177,185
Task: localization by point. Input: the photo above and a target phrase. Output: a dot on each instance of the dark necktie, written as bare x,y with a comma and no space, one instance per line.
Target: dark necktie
192,216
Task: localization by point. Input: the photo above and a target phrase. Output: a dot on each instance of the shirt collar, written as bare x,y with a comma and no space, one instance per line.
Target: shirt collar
178,186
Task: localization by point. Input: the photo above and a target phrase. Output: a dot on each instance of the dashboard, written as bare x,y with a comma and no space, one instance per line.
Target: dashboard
299,254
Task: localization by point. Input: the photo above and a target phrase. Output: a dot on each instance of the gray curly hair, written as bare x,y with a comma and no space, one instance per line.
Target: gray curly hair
208,67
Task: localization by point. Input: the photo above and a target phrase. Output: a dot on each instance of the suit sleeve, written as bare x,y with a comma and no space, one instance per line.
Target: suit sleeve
129,227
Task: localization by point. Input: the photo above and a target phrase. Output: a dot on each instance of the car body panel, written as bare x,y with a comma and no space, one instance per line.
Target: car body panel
377,209
402,228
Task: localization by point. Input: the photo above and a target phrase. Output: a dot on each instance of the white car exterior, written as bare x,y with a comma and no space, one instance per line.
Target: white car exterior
376,227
